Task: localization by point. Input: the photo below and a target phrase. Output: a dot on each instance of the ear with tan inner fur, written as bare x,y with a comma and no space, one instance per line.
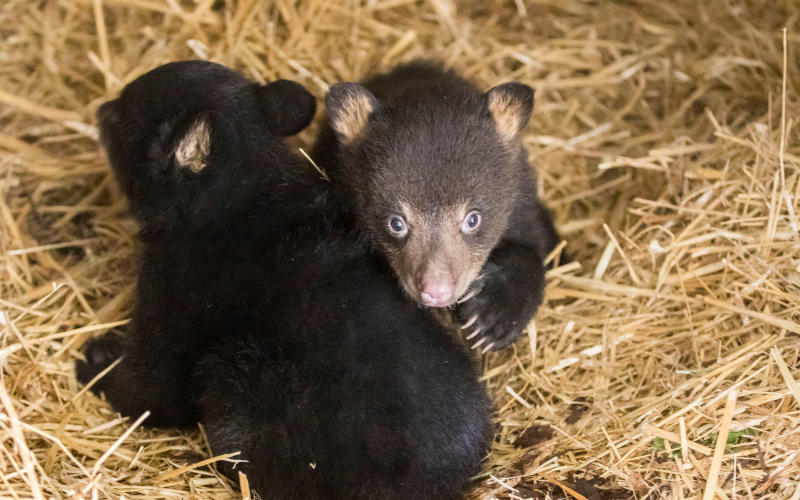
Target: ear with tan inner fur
193,149
511,105
349,106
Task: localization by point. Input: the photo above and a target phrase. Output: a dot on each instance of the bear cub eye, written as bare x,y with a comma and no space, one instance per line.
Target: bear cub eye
471,222
397,226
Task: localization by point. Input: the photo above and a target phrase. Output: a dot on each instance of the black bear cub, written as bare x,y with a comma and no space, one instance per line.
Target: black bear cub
434,172
260,316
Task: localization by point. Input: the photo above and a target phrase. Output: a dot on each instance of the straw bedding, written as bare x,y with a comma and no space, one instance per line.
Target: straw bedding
664,361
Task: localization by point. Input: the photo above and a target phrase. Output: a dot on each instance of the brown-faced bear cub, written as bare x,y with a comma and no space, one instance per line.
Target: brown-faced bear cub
262,317
434,172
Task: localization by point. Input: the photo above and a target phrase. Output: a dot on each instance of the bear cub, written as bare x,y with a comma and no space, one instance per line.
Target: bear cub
262,316
434,172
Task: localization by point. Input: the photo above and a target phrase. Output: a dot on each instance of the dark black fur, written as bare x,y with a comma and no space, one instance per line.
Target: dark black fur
257,316
431,142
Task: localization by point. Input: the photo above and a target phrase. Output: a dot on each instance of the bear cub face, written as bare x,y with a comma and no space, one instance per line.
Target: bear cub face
166,143
433,176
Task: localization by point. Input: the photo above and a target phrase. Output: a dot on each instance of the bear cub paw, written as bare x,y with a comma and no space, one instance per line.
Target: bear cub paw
492,316
99,353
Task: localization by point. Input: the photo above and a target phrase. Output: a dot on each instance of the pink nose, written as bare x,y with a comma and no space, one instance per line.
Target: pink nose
437,294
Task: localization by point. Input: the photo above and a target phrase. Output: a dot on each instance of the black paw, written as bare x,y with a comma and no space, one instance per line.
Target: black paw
495,312
99,353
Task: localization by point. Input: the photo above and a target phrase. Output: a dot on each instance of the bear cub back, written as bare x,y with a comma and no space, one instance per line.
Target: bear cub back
261,315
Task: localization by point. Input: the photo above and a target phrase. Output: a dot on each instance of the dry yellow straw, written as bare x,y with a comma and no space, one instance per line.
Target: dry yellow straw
672,171
719,449
186,468
244,486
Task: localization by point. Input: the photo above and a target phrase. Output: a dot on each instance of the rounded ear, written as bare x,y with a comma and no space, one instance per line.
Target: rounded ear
349,106
287,105
194,146
510,105
202,136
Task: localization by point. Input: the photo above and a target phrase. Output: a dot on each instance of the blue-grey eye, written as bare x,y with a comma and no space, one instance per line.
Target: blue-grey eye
471,222
397,226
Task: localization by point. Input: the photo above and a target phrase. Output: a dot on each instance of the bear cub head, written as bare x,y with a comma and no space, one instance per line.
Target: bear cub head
186,140
433,171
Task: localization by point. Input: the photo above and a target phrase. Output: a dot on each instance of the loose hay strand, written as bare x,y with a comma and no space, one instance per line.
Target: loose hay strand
719,449
666,143
177,472
791,383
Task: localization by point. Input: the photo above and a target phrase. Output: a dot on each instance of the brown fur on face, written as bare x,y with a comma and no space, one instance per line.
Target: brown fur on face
436,249
432,147
193,149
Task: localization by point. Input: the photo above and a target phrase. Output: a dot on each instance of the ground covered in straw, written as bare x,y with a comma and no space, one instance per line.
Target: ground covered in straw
665,134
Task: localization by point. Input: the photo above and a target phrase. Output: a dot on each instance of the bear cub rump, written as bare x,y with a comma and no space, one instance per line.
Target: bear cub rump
258,313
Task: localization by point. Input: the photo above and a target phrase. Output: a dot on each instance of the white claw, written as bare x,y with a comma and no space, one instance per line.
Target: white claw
468,296
469,322
474,334
478,343
488,346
